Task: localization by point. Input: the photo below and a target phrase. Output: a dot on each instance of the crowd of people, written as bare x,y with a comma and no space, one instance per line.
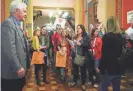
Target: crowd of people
95,52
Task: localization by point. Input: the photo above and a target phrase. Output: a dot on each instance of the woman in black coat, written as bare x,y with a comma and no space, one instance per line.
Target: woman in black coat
111,51
81,47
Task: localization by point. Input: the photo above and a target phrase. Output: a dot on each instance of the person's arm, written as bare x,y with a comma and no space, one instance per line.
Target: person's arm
9,42
63,51
47,43
86,42
36,44
59,38
99,46
58,42
68,46
52,39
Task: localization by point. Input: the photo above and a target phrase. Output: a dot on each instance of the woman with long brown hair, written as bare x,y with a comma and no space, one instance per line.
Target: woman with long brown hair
44,41
81,47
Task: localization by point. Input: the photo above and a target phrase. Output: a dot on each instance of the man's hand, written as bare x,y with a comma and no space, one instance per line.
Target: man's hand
72,47
43,47
58,48
97,70
21,72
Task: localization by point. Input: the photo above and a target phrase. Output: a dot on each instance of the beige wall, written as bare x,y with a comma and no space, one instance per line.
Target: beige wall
110,8
29,20
106,8
7,8
101,10
79,12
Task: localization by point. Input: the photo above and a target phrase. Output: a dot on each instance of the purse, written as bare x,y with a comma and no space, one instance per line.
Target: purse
79,60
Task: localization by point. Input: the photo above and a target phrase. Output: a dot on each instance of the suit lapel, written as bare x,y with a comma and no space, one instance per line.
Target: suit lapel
20,33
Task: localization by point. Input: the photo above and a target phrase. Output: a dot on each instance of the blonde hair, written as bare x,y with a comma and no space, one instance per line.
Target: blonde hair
63,30
113,25
35,31
63,42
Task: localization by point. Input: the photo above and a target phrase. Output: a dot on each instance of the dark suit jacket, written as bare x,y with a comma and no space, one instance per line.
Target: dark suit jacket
13,52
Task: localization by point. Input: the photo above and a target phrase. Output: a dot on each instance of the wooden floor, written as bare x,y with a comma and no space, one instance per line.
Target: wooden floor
54,86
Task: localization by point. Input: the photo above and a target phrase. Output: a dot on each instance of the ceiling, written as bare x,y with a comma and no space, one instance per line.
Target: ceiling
54,3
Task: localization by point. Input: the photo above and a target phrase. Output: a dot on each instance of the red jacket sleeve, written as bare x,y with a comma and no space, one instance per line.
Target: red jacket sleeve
59,38
99,47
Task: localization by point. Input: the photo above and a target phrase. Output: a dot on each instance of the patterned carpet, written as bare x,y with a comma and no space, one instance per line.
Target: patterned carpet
54,86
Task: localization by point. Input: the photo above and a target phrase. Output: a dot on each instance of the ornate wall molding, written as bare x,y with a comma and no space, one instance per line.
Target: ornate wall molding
119,10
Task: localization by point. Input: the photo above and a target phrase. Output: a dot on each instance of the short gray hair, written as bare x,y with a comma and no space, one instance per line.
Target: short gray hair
16,5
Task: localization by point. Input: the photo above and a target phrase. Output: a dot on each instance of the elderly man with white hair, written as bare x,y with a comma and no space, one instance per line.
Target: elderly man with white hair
13,50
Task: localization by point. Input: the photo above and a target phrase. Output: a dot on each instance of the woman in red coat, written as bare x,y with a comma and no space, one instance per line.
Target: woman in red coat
96,44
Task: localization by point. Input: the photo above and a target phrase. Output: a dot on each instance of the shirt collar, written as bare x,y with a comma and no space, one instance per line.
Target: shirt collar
16,20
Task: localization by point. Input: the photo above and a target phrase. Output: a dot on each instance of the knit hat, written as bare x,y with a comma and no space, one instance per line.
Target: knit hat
129,32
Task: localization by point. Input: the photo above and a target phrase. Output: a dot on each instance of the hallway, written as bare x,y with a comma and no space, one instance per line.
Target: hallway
54,86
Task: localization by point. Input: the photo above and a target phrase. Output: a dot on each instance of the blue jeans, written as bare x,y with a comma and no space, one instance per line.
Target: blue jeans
96,63
60,71
106,79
